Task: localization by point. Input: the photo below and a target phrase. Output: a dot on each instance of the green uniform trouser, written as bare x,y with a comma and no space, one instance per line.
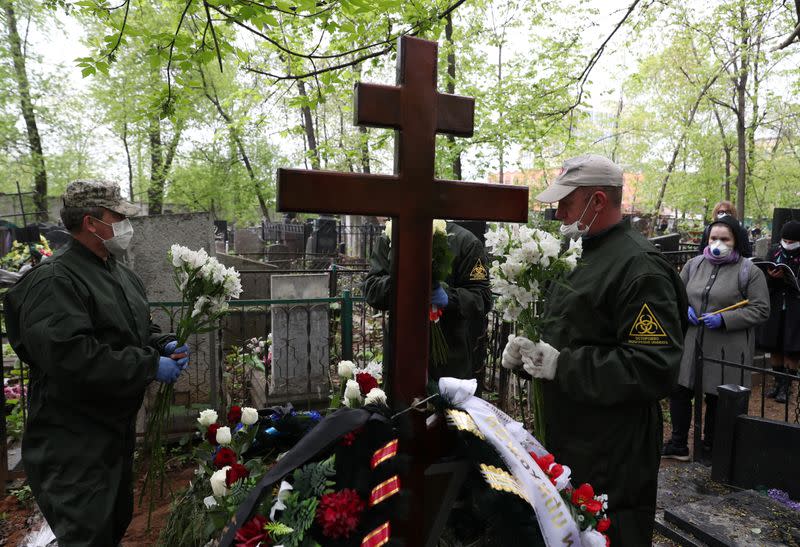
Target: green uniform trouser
84,489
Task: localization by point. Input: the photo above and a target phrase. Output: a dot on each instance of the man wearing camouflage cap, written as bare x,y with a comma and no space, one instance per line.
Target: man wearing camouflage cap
81,321
611,349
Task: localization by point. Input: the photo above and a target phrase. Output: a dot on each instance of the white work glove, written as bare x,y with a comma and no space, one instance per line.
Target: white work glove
514,351
540,360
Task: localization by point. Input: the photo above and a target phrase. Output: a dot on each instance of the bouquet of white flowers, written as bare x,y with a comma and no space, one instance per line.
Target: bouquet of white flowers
526,263
205,286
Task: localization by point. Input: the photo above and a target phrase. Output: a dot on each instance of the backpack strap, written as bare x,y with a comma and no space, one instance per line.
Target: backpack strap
744,276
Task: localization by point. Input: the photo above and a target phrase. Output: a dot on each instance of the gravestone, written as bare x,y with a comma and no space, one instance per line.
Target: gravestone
300,356
761,247
247,241
279,255
666,243
147,256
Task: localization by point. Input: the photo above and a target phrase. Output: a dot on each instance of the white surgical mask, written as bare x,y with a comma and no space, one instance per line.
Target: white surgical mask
574,231
790,246
723,215
123,232
719,249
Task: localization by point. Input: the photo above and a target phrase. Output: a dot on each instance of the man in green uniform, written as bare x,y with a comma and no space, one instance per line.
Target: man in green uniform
465,297
81,321
611,349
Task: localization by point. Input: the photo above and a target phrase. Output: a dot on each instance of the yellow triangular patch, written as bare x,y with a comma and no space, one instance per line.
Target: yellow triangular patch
478,272
646,328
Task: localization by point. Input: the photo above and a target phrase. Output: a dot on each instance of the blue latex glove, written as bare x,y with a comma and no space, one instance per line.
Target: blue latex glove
693,316
439,297
171,349
168,370
713,321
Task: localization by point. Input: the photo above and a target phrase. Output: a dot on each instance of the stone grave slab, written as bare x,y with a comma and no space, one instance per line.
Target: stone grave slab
739,519
300,353
147,256
247,241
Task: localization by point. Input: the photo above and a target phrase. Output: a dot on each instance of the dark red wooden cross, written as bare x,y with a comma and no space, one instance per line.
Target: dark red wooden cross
413,196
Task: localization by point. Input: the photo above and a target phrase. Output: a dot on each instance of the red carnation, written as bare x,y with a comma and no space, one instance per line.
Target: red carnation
253,534
366,382
338,513
235,415
236,472
603,525
583,496
211,434
225,456
543,462
556,471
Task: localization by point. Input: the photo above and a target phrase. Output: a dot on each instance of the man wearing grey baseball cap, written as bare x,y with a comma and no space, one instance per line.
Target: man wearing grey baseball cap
611,348
81,321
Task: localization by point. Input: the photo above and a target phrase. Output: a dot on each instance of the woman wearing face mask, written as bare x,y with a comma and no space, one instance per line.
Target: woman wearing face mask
718,278
722,210
780,335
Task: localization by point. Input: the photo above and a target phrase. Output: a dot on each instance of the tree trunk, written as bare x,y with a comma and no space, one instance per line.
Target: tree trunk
364,148
500,113
726,148
128,159
741,98
308,125
678,147
237,140
451,88
160,165
616,128
155,193
24,88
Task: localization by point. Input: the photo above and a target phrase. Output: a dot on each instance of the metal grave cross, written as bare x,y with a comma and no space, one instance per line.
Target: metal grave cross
412,196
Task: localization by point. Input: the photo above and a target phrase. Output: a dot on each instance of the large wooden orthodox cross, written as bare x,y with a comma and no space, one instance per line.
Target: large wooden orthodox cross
414,197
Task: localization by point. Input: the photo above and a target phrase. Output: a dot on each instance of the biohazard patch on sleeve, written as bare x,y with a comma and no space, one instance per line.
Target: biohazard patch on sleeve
478,272
647,330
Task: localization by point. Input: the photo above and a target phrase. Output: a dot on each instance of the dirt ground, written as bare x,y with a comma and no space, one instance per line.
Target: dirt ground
18,519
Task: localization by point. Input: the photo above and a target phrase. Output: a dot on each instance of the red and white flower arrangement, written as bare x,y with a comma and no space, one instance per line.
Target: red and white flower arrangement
360,386
588,509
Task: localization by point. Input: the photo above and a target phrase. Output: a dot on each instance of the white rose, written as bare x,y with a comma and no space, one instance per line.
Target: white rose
352,394
207,417
388,229
217,480
224,436
375,396
346,369
440,226
249,415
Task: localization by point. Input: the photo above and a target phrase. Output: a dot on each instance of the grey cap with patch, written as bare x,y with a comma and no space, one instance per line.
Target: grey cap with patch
585,170
98,193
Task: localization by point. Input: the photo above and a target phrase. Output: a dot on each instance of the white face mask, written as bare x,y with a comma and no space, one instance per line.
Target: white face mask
719,249
574,231
123,232
790,246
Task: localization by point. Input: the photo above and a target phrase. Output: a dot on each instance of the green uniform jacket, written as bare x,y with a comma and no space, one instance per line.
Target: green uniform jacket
468,292
83,327
619,325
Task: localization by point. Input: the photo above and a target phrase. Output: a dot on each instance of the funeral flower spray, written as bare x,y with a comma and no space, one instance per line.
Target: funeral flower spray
206,286
527,262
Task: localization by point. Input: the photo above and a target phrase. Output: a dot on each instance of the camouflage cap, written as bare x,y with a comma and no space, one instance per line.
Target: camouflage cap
98,193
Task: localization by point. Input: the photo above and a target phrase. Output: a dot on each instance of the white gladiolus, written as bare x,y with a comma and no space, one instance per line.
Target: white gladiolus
224,436
346,369
280,500
375,396
207,417
375,369
249,415
352,394
217,480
